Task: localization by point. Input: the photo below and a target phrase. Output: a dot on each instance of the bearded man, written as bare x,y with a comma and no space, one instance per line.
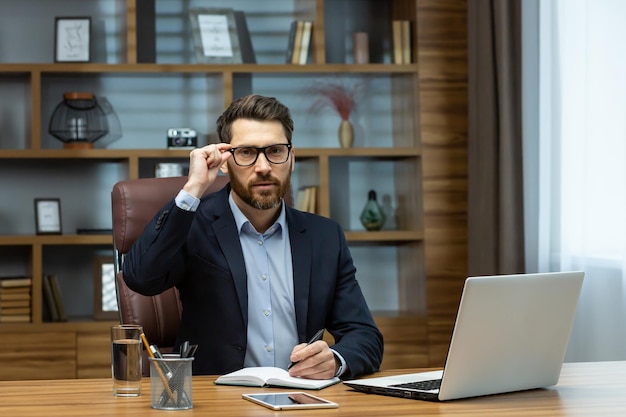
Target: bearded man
257,278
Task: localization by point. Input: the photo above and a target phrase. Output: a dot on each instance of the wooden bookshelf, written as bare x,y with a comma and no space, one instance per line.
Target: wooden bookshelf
422,158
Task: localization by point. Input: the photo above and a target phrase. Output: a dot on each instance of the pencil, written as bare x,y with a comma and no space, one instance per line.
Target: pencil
158,368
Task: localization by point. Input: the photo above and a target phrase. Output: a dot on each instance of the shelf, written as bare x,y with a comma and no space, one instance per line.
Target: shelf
216,69
385,236
86,324
23,240
120,154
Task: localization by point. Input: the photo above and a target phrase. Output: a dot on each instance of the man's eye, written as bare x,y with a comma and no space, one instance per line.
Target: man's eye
277,150
245,152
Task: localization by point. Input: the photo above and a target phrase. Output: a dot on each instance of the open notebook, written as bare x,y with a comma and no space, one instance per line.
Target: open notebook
510,334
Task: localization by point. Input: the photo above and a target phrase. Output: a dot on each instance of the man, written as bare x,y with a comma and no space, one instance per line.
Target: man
257,279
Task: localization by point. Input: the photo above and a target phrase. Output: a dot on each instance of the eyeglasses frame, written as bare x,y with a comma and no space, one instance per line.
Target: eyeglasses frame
259,150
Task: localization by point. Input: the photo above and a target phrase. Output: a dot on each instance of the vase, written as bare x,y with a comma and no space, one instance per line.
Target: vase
372,216
346,134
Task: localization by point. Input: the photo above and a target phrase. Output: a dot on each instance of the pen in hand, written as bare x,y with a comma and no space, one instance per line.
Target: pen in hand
317,336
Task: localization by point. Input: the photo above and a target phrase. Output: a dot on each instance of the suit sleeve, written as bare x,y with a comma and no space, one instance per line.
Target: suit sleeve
155,262
357,338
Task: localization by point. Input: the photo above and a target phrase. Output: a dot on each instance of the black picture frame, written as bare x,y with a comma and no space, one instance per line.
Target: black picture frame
48,216
72,39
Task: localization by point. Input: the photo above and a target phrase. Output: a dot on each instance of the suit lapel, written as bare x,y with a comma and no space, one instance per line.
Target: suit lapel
227,235
301,254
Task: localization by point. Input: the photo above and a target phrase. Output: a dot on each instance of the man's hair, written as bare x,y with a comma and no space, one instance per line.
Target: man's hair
254,107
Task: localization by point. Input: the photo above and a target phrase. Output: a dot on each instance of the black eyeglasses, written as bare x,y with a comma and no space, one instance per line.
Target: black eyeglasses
245,156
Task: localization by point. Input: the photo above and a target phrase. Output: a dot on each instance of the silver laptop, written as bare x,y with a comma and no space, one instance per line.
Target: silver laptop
510,334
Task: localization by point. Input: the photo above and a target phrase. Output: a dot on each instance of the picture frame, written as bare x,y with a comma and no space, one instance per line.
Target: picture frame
48,216
105,295
215,36
72,39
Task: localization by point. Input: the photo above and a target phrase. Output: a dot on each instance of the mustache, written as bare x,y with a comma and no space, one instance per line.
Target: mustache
265,178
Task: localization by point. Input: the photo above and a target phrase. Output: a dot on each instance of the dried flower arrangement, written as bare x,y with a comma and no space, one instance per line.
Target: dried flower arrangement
336,95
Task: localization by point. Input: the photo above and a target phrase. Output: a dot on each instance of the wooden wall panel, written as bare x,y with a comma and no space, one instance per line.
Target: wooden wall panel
442,57
406,341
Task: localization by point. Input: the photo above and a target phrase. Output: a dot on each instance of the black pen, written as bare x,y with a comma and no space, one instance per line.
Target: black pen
157,354
317,336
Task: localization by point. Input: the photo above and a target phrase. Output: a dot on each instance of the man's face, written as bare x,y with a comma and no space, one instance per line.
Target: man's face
263,184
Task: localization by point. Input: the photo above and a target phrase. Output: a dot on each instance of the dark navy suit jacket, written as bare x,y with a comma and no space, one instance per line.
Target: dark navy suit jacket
200,253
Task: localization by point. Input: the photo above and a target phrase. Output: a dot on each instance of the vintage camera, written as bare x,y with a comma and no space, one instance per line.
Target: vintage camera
182,138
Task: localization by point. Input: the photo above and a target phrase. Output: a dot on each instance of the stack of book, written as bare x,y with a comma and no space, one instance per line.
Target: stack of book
401,41
306,199
299,46
15,299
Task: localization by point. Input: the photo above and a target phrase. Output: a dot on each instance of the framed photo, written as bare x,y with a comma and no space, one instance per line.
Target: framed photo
215,36
72,39
105,296
48,216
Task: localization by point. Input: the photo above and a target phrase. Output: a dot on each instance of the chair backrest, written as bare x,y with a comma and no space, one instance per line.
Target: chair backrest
134,204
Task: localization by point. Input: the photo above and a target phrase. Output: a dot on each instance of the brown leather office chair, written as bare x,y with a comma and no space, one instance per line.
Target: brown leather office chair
134,203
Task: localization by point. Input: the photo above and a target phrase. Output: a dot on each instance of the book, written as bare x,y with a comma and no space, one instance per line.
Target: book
14,295
297,43
10,282
269,376
397,41
291,41
305,42
312,207
406,42
14,303
302,202
306,199
14,311
58,299
22,318
49,298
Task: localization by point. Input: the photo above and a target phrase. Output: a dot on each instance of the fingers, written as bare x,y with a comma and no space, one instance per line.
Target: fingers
204,164
315,361
213,156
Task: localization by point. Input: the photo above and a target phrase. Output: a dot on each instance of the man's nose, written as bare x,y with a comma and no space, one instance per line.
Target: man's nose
262,164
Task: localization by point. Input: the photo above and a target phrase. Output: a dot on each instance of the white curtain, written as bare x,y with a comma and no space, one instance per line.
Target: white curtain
575,161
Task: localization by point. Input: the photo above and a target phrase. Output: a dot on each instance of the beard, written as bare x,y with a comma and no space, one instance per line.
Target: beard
265,199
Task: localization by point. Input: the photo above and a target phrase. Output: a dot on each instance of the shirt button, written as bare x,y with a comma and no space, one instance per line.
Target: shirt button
266,312
260,242
268,348
264,277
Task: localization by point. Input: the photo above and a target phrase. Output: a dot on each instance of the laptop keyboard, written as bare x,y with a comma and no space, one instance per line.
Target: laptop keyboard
430,385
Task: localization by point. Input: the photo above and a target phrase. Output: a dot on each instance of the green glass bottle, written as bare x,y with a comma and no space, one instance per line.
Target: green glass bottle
372,216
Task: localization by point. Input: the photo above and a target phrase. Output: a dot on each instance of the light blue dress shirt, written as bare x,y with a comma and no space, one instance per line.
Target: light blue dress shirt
272,332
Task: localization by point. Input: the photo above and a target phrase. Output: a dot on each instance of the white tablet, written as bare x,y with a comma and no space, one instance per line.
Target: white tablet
289,400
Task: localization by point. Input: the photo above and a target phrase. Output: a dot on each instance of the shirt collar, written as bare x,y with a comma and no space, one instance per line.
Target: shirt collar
244,224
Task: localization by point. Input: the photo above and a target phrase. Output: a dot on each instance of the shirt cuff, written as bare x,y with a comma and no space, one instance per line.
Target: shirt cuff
186,201
342,366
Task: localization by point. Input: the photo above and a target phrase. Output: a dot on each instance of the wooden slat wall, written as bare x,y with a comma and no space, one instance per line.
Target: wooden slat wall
442,57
